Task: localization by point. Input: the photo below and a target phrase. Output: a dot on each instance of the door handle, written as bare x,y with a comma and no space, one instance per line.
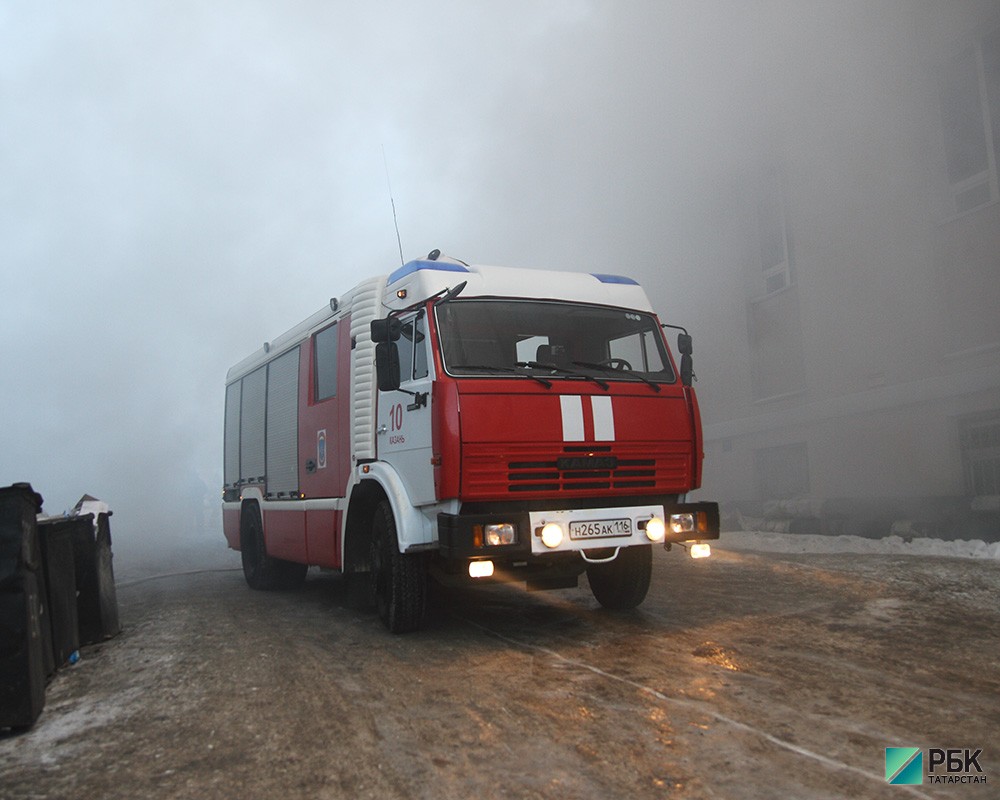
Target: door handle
419,401
310,466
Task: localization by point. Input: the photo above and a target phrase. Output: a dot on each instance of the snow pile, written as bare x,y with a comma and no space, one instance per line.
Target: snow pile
91,505
890,545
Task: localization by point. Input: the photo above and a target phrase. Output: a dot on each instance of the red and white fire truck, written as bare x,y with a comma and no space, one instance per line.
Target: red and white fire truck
466,424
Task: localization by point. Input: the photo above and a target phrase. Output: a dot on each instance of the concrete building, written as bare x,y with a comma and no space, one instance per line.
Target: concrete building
853,384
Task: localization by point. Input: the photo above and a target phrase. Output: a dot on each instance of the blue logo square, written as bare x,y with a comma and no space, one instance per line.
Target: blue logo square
904,766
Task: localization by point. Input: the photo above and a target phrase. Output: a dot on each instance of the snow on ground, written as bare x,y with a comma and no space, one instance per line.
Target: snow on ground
890,545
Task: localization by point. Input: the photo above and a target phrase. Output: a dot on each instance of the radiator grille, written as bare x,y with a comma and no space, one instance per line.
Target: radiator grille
537,470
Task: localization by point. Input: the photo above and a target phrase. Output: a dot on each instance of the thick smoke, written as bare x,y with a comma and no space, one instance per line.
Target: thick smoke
181,182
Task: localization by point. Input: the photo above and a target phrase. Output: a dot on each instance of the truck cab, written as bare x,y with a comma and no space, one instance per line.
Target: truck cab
545,412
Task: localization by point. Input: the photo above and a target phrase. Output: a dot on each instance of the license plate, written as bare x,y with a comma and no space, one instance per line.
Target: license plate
600,529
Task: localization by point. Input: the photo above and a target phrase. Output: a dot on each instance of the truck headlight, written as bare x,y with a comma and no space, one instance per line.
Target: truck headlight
480,569
552,535
682,523
701,550
499,534
655,530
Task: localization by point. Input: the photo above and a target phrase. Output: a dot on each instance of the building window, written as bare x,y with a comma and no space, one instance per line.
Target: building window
777,358
782,472
980,441
774,329
970,110
772,231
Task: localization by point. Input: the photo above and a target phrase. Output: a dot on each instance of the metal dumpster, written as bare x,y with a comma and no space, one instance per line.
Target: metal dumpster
23,668
55,534
97,600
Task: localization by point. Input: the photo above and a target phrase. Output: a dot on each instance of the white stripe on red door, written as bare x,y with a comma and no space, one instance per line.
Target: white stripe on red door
602,414
604,418
572,417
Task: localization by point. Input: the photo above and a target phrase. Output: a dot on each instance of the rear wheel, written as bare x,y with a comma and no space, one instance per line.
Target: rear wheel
399,579
623,583
262,571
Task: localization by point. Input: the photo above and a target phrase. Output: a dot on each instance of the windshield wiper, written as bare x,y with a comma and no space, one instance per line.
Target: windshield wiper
606,368
562,371
489,368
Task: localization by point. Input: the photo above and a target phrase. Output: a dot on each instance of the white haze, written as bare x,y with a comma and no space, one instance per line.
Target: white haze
181,181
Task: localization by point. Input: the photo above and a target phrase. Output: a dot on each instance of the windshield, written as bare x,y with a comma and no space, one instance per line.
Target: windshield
559,340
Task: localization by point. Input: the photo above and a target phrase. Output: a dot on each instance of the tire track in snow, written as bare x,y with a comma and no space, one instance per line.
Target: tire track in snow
691,705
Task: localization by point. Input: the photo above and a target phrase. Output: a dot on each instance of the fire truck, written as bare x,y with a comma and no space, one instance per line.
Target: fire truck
467,424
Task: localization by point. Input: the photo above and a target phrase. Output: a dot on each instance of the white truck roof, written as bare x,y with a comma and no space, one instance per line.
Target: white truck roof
422,278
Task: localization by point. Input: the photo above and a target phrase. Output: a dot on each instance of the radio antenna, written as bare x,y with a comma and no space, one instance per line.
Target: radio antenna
392,202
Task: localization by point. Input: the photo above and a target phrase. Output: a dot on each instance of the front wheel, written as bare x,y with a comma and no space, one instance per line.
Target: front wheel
623,583
399,579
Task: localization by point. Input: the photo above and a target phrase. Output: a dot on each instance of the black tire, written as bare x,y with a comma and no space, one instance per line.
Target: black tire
263,572
622,584
399,580
358,591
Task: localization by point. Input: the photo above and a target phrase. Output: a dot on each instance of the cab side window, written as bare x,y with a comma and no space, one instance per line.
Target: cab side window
412,350
325,363
405,346
419,348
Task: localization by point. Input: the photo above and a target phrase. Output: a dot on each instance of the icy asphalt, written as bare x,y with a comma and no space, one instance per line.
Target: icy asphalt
781,667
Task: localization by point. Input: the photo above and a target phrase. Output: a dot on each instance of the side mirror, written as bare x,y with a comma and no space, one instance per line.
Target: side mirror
386,330
684,344
386,365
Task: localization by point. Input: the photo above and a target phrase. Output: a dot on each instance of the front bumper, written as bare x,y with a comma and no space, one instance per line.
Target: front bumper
461,536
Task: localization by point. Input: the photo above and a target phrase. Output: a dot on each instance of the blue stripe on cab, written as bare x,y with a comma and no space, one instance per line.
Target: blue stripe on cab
614,279
415,266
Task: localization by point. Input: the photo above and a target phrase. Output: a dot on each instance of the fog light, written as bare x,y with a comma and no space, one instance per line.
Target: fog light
480,569
701,550
552,535
682,523
655,530
500,533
